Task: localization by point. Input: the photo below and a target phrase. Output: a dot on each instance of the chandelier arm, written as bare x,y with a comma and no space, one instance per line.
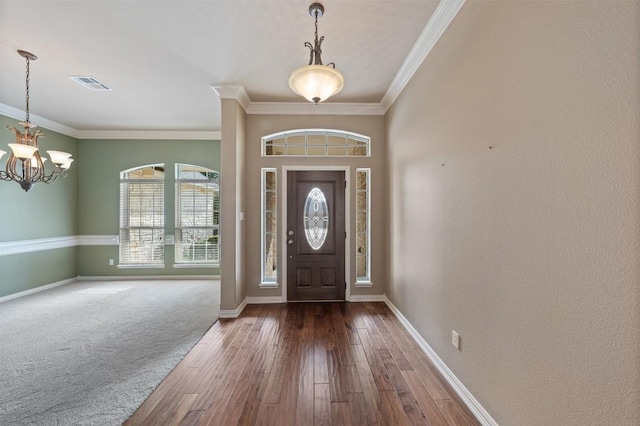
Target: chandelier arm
307,44
55,174
37,172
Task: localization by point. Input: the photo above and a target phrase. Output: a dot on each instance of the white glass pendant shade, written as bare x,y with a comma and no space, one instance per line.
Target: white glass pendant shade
316,83
58,157
2,153
67,164
22,151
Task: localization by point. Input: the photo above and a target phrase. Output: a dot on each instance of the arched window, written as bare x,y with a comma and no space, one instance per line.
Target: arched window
197,239
316,143
142,216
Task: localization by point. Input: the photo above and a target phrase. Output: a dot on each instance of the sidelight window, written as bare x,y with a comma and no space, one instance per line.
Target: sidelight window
363,220
269,249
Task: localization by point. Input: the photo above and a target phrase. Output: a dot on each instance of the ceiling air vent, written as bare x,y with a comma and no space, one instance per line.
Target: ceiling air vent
89,82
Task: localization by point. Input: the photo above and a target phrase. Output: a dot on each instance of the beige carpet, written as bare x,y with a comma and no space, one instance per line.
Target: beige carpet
89,353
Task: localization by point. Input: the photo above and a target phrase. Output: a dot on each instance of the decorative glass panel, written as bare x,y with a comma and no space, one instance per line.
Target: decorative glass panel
316,218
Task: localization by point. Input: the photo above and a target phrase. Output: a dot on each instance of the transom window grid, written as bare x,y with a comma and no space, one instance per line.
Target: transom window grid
142,216
269,249
363,212
316,143
197,239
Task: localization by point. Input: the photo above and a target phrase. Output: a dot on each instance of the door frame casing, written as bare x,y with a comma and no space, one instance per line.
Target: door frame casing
347,219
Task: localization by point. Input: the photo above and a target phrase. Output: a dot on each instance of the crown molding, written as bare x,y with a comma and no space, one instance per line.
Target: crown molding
308,108
233,91
438,23
149,134
18,114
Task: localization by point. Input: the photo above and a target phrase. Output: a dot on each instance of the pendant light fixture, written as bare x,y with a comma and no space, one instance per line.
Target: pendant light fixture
25,165
316,82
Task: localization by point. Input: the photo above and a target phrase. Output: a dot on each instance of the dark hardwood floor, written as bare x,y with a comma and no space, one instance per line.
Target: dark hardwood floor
305,364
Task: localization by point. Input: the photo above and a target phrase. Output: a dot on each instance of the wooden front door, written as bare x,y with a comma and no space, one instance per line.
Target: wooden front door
315,235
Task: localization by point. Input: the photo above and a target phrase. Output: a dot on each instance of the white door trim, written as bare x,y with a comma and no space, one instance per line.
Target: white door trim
347,223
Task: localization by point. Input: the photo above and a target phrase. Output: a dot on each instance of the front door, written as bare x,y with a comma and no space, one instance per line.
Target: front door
315,235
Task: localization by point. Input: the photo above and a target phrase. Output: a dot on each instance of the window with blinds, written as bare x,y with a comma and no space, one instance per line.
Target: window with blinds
197,239
142,216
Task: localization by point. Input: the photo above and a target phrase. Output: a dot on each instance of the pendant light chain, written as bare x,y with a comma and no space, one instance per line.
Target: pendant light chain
27,81
316,13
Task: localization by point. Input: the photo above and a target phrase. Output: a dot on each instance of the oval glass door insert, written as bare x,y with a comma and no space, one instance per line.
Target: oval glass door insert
316,218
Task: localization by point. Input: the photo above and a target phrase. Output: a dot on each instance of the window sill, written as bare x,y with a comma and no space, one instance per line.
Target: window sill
363,284
140,266
268,285
195,265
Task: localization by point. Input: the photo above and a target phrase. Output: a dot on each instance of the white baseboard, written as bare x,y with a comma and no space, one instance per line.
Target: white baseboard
478,410
36,290
146,277
233,313
367,298
263,300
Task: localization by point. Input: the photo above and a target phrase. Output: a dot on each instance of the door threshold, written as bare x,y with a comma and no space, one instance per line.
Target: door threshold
316,301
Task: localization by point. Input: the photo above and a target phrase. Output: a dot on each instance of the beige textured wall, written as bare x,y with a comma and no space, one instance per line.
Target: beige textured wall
529,249
232,259
263,125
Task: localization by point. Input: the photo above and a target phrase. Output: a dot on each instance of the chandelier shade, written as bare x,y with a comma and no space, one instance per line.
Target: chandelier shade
24,164
316,82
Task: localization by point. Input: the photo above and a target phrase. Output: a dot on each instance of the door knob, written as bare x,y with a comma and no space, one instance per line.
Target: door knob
290,242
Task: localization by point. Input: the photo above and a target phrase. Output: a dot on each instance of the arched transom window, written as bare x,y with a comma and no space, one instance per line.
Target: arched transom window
316,143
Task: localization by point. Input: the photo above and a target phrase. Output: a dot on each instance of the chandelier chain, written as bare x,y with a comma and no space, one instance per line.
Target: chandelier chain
316,13
27,82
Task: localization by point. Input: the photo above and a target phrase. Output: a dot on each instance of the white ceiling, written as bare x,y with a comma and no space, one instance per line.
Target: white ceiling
161,58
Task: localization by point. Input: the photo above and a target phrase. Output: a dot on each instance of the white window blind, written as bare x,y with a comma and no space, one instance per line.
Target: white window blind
142,216
197,239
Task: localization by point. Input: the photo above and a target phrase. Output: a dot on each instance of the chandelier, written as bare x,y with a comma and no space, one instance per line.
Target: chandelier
24,164
316,82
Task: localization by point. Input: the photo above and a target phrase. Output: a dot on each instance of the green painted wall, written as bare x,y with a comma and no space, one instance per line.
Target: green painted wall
46,211
99,195
20,272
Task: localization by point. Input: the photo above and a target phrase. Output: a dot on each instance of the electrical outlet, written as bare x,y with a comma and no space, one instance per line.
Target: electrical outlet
455,339
110,262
